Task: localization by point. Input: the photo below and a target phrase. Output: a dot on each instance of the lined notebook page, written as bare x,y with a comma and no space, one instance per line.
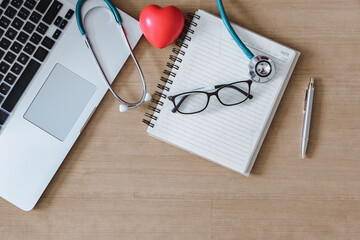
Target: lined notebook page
228,136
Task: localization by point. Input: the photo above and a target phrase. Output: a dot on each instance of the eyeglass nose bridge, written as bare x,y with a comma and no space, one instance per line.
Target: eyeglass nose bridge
212,94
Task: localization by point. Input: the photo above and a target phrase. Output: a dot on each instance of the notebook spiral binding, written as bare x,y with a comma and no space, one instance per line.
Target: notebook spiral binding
184,37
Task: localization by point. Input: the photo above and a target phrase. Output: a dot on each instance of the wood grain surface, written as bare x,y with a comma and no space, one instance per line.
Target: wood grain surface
119,183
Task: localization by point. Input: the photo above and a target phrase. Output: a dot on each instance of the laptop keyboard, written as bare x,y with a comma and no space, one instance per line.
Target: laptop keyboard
25,42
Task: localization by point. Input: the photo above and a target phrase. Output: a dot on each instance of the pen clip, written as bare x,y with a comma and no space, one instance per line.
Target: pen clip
305,100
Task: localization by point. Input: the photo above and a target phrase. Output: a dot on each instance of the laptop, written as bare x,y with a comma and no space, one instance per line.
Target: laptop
50,86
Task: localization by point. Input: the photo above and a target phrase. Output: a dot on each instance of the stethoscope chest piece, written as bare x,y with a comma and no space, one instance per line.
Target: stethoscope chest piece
261,69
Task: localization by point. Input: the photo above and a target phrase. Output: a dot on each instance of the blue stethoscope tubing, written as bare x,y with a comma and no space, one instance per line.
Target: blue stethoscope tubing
228,26
124,104
261,68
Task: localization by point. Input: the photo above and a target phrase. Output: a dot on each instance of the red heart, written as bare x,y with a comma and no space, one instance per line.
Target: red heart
161,26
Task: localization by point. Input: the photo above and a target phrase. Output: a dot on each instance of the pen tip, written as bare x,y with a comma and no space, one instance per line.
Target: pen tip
302,156
312,80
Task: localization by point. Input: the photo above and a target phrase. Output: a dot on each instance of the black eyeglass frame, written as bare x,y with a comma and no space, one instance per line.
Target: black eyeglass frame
218,88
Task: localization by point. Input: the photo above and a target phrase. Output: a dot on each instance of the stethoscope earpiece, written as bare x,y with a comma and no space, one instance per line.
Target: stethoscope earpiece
147,97
124,107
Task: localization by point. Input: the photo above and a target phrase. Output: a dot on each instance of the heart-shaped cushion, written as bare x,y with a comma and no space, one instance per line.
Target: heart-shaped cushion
161,26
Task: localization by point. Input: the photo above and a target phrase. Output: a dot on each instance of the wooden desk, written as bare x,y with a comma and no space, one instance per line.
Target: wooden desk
119,183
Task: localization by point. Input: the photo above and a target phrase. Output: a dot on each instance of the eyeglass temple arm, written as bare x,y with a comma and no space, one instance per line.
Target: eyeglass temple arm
239,89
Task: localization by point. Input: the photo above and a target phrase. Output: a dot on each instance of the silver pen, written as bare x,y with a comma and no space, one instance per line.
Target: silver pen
308,103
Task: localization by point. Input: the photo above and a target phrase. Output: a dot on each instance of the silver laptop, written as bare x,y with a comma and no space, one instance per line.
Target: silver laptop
49,86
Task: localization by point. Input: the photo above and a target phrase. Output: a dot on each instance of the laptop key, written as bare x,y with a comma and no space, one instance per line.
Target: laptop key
41,54
30,4
43,5
11,33
56,34
16,47
4,88
29,27
58,21
35,17
23,37
4,22
29,48
69,14
16,68
17,23
24,13
23,58
4,43
3,116
42,28
4,3
35,38
52,12
10,78
10,12
63,24
20,85
10,57
17,3
4,67
48,42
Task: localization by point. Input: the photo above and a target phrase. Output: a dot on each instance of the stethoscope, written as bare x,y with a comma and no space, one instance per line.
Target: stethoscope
261,68
124,106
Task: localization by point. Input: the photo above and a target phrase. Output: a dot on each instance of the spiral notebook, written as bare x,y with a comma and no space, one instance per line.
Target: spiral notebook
207,55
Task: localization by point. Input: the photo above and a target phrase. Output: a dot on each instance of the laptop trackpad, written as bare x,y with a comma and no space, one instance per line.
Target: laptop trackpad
60,101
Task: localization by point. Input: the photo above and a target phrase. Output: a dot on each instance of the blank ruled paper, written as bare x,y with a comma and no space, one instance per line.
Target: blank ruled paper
227,135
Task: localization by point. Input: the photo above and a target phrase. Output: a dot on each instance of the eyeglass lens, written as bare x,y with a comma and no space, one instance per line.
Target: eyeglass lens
191,102
234,93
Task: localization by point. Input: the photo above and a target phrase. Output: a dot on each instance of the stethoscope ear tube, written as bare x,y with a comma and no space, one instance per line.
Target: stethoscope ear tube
124,106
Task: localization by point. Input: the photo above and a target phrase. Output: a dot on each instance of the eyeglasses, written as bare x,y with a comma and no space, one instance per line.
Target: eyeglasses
196,101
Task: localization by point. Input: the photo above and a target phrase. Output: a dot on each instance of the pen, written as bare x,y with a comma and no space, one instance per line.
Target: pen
308,102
